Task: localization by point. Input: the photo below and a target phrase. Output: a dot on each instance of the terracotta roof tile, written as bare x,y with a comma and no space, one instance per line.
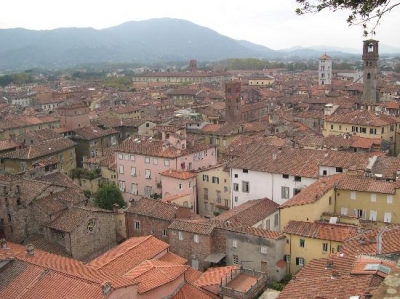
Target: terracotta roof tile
362,117
93,132
192,226
320,230
181,175
214,276
188,291
153,208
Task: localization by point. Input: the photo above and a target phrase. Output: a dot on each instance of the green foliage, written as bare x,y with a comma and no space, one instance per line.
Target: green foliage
107,196
87,193
249,64
121,83
85,173
279,286
361,12
17,79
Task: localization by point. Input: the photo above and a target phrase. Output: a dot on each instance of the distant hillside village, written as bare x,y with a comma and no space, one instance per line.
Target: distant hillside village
234,182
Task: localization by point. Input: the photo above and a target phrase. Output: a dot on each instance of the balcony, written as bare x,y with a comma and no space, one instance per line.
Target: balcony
243,284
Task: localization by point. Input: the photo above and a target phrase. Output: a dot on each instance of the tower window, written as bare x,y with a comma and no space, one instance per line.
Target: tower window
368,76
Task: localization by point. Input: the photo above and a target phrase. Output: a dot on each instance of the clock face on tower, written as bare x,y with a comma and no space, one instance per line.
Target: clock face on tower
91,225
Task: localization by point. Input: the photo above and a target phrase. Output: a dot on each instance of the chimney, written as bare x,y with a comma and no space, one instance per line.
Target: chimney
106,287
335,274
329,264
367,295
3,244
30,249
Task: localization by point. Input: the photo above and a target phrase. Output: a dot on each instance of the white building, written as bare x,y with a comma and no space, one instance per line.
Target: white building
325,70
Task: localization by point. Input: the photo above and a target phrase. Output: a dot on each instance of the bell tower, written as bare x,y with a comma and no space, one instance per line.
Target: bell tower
370,76
233,102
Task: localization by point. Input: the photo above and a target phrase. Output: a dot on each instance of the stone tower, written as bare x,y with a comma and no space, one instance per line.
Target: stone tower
193,65
324,70
370,75
233,101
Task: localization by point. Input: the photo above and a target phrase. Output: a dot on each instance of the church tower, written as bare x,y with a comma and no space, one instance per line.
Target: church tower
324,70
233,101
370,75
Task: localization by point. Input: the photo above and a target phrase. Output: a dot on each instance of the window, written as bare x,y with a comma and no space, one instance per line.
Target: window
121,169
155,161
235,187
339,248
235,259
215,180
236,175
354,129
285,176
343,211
387,217
330,200
324,172
205,178
285,192
299,261
147,191
132,157
373,215
164,233
236,199
122,186
372,131
324,247
373,197
180,186
166,163
226,202
389,198
218,196
180,235
190,167
339,169
276,219
225,189
245,186
137,225
147,160
120,156
353,195
234,243
147,174
190,184
126,157
133,171
360,213
331,127
134,189
302,243
286,258
363,130
245,171
196,238
216,141
205,193
264,249
297,178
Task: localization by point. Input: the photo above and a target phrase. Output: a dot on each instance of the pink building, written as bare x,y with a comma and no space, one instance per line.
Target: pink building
179,187
140,161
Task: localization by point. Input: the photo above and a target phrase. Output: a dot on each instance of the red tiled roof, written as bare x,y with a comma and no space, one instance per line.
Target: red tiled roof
192,226
128,255
362,117
214,276
320,230
181,175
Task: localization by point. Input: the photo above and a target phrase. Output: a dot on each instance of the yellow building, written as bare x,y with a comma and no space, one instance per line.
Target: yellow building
213,189
18,125
261,81
311,202
364,123
312,240
368,198
62,150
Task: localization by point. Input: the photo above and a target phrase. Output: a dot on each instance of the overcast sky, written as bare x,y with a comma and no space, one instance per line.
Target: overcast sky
270,23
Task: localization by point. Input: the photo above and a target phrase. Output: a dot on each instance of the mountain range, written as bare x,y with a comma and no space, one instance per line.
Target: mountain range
150,41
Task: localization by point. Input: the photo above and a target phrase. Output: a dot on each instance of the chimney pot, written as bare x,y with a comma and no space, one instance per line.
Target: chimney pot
30,249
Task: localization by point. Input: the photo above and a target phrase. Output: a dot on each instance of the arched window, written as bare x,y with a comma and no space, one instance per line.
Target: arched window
370,47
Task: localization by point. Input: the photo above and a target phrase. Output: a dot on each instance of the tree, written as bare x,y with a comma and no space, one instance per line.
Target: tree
361,12
107,196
